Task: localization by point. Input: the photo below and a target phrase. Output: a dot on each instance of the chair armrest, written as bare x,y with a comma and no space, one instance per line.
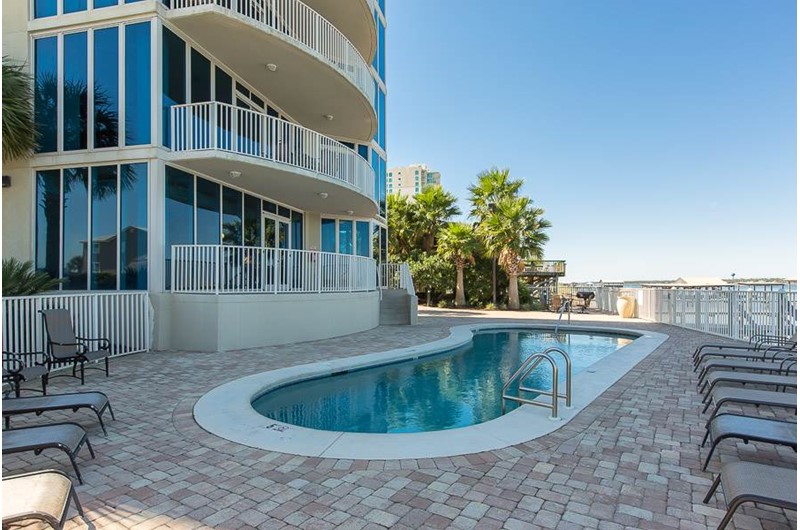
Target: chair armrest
22,359
105,344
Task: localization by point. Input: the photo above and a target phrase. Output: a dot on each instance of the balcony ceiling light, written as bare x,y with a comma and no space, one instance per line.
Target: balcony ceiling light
322,195
235,174
349,212
272,67
328,117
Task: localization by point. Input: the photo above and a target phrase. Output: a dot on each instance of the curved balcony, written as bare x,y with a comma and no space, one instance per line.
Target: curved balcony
315,74
272,157
354,18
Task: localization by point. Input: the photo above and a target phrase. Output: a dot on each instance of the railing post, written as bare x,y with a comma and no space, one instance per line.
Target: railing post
172,269
213,131
217,269
277,268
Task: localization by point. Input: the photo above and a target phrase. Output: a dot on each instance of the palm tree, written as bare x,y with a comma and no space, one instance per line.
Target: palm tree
20,279
457,243
434,208
19,131
403,223
514,232
492,186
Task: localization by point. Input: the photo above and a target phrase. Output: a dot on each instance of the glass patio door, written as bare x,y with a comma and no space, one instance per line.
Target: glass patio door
277,235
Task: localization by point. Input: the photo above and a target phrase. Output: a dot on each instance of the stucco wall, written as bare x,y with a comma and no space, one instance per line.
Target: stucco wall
231,322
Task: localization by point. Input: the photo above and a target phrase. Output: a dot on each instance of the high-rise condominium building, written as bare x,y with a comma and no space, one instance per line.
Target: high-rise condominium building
228,158
410,180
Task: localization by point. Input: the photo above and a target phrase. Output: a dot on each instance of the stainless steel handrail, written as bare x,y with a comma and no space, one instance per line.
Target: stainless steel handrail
525,370
566,305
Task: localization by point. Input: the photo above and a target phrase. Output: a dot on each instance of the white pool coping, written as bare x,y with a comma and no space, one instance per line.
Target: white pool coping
226,411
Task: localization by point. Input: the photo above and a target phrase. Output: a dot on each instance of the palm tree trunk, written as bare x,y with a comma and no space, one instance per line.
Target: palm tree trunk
513,291
460,299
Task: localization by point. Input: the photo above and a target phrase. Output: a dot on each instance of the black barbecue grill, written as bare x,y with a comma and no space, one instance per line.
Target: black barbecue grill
586,297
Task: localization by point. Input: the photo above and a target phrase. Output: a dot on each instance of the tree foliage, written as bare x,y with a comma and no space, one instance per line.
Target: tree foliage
19,131
20,279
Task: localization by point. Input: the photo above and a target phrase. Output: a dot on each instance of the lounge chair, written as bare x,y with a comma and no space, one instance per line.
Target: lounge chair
19,368
69,437
63,347
746,378
96,401
787,366
772,353
756,342
41,495
759,483
745,396
749,429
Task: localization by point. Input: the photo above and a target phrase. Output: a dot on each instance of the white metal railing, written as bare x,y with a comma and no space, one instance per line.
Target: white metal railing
396,276
122,317
734,314
214,125
234,269
298,22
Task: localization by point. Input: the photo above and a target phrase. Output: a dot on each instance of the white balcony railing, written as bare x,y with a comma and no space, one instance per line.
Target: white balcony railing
396,276
307,28
734,314
233,269
124,318
214,125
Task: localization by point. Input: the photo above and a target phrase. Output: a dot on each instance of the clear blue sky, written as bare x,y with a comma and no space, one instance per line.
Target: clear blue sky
659,137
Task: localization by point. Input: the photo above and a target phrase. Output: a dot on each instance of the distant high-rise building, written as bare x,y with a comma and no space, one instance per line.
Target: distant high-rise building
410,180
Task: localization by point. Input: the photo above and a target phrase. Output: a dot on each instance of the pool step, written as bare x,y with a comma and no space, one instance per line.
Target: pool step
398,308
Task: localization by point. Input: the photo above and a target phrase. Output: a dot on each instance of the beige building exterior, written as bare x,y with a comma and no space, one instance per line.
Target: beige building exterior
410,180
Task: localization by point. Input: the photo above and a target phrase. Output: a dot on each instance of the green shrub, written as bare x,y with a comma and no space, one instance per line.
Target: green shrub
20,279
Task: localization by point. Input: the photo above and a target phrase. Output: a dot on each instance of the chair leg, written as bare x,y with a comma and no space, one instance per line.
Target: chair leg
89,445
714,487
728,515
705,438
74,495
102,426
82,371
75,467
106,366
111,411
45,380
710,452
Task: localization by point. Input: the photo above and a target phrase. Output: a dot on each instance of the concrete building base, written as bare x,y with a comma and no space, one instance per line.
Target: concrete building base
208,322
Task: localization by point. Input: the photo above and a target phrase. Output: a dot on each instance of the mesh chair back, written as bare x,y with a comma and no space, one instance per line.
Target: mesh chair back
58,325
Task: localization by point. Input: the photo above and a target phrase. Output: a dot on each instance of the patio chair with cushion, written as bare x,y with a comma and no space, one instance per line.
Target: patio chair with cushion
95,401
19,368
749,429
758,483
68,437
63,347
41,495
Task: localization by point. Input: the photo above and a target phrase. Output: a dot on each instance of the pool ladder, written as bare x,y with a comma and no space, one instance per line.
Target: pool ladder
525,370
566,307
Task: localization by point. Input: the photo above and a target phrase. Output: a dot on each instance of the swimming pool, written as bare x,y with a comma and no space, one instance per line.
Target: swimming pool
227,410
453,389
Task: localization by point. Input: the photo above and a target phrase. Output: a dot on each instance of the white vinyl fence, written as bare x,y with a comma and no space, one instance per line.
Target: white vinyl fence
733,314
234,269
396,276
122,317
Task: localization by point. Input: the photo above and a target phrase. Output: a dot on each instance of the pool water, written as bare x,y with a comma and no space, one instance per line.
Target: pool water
453,389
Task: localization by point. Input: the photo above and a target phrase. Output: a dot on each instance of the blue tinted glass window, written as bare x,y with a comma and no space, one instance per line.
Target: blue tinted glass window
44,8
363,150
133,227
137,84
383,254
328,235
75,91
201,78
71,6
106,87
381,53
231,217
382,183
362,238
223,86
345,237
104,228
105,3
207,212
76,228
382,119
48,221
179,213
297,230
174,77
376,167
376,242
377,113
45,93
252,221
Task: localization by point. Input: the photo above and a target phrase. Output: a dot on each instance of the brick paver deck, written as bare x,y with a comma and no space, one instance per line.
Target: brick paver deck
629,460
